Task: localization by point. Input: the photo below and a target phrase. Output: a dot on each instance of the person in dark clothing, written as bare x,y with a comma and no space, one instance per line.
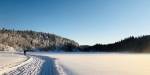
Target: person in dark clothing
24,52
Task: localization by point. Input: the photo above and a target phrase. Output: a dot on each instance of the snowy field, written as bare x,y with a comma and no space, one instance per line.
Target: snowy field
75,64
102,63
18,64
9,60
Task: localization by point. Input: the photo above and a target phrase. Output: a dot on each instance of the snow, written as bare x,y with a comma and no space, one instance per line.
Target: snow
108,64
59,68
83,64
9,60
35,65
102,63
48,66
30,67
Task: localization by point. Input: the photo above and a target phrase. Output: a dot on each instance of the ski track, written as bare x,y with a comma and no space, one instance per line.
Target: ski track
30,68
39,65
48,66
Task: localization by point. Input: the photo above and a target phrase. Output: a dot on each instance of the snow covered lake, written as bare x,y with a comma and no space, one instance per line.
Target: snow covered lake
102,63
76,64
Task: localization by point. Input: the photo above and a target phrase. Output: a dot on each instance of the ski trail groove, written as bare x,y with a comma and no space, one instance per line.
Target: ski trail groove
38,65
30,68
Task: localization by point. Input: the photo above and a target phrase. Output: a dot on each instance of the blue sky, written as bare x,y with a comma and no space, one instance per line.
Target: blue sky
85,21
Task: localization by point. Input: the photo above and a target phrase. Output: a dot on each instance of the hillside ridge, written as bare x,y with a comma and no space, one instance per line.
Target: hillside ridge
32,40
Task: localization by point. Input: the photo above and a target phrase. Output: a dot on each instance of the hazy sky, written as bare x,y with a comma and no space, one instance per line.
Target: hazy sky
85,21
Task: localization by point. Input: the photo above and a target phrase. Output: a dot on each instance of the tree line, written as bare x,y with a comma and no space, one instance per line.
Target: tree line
130,44
31,40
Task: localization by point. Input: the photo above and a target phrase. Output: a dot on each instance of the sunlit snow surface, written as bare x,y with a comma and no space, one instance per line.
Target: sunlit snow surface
102,63
9,60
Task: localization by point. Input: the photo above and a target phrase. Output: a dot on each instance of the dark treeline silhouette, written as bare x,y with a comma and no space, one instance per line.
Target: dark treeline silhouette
31,40
131,44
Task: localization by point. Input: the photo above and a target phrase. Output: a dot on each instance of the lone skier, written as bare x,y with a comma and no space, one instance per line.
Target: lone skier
24,52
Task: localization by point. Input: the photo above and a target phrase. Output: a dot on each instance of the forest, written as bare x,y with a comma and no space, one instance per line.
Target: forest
17,40
130,44
30,40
